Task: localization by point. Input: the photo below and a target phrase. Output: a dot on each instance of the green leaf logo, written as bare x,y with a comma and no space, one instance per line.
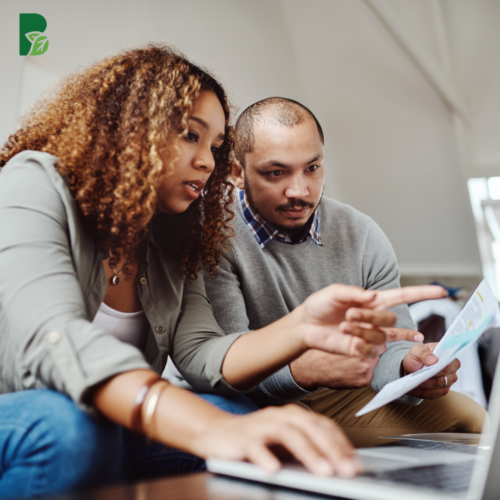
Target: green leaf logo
39,46
32,41
32,36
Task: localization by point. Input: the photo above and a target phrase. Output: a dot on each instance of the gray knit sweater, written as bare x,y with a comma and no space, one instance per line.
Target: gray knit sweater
256,286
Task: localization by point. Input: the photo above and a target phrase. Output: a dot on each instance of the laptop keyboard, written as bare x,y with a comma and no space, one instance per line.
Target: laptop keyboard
452,478
436,445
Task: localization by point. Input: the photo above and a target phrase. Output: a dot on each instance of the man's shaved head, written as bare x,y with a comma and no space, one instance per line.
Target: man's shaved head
279,151
278,110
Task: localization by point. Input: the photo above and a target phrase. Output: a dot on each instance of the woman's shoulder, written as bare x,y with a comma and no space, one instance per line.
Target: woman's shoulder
30,178
34,161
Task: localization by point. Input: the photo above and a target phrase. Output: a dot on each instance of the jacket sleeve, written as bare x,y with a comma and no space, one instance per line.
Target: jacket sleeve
380,272
200,345
230,312
42,311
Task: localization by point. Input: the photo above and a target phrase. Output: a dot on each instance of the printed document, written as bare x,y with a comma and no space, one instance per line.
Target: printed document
475,318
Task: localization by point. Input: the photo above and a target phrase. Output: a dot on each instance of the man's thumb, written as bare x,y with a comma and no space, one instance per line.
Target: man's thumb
425,355
420,355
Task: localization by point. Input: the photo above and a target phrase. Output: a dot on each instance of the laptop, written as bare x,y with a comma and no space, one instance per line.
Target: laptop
410,469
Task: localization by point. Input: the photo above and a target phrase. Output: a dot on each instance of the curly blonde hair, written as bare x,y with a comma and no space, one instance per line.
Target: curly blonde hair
107,125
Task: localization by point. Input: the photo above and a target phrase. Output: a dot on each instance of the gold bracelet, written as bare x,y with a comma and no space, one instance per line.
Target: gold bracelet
138,403
152,402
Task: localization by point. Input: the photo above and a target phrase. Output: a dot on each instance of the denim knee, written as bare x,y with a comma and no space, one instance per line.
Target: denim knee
49,445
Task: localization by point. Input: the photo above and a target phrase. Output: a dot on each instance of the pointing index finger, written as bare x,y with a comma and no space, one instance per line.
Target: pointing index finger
407,295
396,334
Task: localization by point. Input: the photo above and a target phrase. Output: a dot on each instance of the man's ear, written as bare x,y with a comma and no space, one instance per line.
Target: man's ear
238,174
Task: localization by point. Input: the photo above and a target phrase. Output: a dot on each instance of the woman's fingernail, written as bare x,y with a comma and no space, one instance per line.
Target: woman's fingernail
357,465
323,468
347,468
431,357
418,338
356,315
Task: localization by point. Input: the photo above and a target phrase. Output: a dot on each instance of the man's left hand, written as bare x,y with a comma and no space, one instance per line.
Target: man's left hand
420,355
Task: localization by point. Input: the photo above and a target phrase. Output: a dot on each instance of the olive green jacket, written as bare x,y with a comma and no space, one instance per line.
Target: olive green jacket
52,282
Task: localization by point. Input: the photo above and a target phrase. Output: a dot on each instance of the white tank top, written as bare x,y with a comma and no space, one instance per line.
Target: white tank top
127,327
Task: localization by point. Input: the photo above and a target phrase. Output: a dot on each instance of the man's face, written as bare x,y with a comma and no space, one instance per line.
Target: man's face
283,176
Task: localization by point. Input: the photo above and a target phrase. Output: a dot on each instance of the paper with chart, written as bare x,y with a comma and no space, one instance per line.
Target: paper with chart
477,315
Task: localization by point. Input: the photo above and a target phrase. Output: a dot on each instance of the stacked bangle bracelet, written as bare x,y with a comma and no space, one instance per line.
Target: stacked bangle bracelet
154,395
139,401
140,425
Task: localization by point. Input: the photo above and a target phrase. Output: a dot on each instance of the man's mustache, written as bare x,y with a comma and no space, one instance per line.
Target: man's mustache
294,205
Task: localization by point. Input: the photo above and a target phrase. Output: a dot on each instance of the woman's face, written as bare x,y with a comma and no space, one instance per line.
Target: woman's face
192,170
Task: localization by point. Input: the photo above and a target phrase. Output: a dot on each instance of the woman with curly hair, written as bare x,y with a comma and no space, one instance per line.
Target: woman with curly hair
114,194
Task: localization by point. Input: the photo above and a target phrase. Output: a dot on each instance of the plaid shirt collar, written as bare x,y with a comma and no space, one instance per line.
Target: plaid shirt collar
264,232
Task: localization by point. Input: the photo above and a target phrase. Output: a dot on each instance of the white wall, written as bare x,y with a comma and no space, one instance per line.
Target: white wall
391,147
390,144
245,42
475,35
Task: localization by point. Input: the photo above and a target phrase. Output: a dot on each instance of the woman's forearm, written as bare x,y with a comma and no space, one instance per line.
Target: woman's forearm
317,323
258,354
180,416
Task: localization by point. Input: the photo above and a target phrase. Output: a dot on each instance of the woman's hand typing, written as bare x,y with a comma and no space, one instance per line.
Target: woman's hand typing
316,441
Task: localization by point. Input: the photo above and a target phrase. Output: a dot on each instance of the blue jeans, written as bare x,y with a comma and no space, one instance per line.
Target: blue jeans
48,446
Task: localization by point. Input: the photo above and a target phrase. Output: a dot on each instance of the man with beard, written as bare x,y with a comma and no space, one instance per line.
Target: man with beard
290,242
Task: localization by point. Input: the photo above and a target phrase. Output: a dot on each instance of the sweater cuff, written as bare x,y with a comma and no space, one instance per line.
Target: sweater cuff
290,386
279,389
389,367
